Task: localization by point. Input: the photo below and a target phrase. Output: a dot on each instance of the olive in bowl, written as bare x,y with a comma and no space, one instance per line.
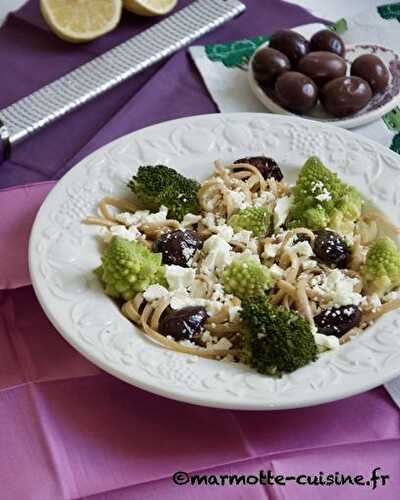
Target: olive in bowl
296,92
327,41
268,64
322,67
291,43
345,96
373,70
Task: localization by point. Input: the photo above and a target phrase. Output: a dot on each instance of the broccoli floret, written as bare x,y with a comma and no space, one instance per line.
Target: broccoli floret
129,267
181,198
381,271
160,185
274,339
245,277
321,199
254,219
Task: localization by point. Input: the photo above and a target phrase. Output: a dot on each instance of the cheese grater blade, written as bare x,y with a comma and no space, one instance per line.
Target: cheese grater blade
32,113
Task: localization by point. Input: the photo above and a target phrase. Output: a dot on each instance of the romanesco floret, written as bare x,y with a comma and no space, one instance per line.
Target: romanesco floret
254,219
274,339
129,267
160,185
381,271
321,199
245,277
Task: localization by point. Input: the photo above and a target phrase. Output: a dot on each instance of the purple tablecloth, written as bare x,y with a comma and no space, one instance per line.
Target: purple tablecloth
69,431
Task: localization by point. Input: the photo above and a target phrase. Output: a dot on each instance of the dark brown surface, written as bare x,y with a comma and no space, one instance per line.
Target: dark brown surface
322,67
296,92
345,96
291,43
326,40
268,64
373,70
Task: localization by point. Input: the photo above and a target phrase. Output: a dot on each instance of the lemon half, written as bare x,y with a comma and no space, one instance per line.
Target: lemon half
81,20
150,7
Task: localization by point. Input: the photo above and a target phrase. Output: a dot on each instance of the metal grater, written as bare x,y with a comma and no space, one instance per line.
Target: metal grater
30,114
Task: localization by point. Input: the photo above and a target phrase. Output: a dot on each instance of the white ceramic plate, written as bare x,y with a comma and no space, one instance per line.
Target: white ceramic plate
63,253
378,106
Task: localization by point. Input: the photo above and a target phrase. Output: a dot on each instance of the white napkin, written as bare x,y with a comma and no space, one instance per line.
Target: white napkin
223,66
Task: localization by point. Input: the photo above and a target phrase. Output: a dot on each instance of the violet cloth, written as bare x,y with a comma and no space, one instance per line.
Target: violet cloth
69,431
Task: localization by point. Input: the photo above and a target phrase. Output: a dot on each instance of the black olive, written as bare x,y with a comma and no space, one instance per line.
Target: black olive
331,249
267,166
291,43
338,320
328,41
178,247
184,324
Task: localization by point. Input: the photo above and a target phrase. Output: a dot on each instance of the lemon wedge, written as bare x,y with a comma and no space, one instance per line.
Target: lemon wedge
81,20
150,7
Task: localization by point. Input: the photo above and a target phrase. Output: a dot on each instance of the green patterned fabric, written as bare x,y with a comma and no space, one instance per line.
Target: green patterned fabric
234,54
389,11
392,120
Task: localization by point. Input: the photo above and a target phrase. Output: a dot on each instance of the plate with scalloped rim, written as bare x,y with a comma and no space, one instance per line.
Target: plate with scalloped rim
379,105
63,252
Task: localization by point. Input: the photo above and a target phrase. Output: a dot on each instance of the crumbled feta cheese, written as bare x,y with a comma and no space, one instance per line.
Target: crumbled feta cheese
190,219
127,234
181,298
188,253
303,249
225,231
218,292
238,199
281,211
327,341
156,218
218,253
179,277
324,194
218,227
276,271
234,312
375,301
264,198
392,296
155,292
270,250
340,289
222,344
130,219
242,236
309,264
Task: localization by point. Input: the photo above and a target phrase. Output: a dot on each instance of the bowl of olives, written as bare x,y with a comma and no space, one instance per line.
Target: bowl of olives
324,79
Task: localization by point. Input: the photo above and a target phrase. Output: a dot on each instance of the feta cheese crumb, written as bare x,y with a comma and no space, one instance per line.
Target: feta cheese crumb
155,292
179,277
264,198
281,211
309,264
234,312
392,296
303,249
339,288
222,344
276,271
156,218
127,234
218,253
270,250
190,220
130,219
238,199
242,236
326,341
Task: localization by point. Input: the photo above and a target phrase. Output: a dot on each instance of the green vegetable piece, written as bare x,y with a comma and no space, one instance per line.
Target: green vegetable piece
160,185
129,267
255,219
381,271
245,277
275,340
321,199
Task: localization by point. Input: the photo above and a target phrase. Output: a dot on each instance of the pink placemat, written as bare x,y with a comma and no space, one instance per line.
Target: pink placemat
69,431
